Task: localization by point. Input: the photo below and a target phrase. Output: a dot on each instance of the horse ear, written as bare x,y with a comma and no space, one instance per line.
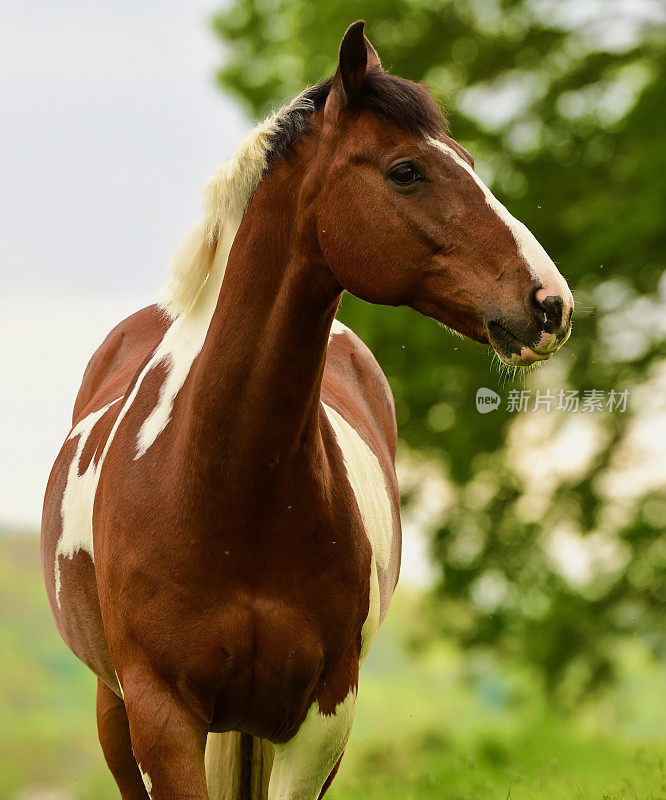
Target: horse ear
357,56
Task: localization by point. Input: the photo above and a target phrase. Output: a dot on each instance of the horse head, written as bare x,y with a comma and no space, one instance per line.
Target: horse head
403,219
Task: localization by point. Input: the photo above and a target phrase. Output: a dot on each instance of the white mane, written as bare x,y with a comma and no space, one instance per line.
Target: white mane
225,196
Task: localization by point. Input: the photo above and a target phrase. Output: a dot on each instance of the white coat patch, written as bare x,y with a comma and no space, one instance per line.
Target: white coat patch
77,499
368,482
302,765
337,328
182,343
147,782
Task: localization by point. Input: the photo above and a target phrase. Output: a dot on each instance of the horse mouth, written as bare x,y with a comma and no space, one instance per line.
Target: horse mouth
512,350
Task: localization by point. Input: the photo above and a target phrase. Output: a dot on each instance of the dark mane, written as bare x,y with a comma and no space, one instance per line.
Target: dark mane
396,100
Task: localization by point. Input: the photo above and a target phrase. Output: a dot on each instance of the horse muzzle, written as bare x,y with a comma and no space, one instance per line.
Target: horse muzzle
525,339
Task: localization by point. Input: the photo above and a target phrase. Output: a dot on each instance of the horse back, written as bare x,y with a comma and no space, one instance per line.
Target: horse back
117,360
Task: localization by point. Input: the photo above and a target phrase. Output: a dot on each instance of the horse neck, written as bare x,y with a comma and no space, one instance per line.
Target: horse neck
258,377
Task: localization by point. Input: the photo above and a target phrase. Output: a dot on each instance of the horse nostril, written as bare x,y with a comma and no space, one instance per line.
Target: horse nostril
553,307
548,311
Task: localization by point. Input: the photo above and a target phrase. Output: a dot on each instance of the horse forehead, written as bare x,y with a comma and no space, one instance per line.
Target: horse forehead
367,134
445,144
456,158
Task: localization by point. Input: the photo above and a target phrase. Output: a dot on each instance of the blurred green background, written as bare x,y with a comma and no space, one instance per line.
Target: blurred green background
530,664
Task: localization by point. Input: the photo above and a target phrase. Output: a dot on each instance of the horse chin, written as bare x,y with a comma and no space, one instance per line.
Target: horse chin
527,357
511,351
518,355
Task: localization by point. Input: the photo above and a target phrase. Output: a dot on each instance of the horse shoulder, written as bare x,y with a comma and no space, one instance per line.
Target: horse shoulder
353,382
358,403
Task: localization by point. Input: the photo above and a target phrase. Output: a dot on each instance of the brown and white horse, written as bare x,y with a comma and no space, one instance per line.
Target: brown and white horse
221,529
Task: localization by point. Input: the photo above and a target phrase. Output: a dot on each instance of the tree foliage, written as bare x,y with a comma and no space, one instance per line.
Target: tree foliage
565,116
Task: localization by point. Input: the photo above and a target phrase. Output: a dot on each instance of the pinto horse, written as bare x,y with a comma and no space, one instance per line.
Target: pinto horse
221,529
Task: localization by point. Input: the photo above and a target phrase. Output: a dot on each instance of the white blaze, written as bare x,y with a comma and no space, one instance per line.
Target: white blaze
538,261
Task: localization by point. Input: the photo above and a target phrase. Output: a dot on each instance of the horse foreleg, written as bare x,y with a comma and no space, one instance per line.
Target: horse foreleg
168,738
303,766
114,736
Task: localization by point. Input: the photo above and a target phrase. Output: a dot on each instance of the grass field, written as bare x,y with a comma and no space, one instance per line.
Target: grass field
433,725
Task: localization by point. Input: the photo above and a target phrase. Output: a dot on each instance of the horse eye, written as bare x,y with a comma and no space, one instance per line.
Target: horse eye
404,174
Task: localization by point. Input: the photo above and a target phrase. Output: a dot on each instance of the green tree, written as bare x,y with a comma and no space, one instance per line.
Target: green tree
565,117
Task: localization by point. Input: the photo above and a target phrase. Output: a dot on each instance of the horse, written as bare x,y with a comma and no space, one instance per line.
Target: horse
221,529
